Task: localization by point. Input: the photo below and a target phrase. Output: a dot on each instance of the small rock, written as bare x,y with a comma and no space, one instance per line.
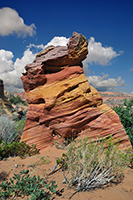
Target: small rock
16,166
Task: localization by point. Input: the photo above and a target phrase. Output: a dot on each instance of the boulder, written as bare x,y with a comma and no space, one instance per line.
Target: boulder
62,104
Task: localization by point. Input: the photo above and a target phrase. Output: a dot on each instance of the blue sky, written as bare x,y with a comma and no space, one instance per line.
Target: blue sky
27,26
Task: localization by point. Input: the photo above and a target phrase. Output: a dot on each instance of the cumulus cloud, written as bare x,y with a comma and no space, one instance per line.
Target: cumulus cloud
58,41
11,22
104,83
6,63
97,54
11,72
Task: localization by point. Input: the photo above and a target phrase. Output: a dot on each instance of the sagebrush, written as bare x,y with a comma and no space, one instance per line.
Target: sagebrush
11,129
92,165
8,131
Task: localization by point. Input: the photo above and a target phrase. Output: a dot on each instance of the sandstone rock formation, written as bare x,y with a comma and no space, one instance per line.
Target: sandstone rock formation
5,106
62,104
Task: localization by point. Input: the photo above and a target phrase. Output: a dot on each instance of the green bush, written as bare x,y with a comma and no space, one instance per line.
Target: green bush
93,165
17,100
125,113
19,126
8,131
23,185
17,149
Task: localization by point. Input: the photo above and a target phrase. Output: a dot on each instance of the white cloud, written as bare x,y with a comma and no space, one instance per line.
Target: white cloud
11,72
6,62
40,46
104,83
99,54
11,22
58,41
28,57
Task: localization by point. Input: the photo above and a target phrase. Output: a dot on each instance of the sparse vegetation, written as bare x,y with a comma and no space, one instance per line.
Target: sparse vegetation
17,100
93,165
17,149
23,116
19,126
23,185
125,113
8,131
43,160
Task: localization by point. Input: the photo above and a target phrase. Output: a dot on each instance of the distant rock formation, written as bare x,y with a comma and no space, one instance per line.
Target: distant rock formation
62,104
5,106
1,88
115,98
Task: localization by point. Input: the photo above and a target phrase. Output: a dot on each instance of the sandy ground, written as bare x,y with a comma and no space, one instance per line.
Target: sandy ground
43,163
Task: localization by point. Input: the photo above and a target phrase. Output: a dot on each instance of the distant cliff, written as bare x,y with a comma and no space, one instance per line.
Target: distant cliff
5,106
1,88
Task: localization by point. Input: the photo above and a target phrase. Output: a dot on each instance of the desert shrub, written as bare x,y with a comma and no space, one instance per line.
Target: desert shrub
19,126
8,131
17,149
125,113
24,115
11,130
17,100
93,165
23,185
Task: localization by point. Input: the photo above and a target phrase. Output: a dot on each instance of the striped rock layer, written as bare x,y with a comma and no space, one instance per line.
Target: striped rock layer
62,104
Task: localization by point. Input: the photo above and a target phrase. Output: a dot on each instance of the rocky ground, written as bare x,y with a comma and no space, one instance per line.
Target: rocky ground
42,167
